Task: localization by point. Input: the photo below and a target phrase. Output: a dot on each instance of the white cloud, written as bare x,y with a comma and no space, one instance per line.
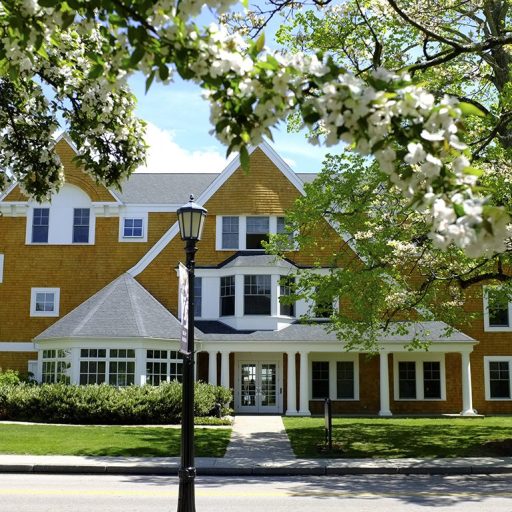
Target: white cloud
165,155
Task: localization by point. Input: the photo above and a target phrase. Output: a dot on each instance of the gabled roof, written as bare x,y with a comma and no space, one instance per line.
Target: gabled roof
168,188
123,309
215,185
172,188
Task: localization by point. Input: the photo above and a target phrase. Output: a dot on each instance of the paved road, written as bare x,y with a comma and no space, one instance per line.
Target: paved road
109,493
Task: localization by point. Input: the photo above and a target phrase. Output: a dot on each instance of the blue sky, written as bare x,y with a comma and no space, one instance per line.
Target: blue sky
178,132
178,129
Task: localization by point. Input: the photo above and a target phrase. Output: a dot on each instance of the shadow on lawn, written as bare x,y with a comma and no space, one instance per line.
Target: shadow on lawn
144,442
385,439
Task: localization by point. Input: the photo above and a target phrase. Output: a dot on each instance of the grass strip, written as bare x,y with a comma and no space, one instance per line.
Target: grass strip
402,437
112,441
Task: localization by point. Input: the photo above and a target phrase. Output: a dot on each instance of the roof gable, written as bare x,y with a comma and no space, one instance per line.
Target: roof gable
122,309
74,175
232,168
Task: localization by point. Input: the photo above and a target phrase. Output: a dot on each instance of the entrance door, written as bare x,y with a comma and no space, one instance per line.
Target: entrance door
258,387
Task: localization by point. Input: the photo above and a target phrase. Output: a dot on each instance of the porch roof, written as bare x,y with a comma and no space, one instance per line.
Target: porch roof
427,331
122,309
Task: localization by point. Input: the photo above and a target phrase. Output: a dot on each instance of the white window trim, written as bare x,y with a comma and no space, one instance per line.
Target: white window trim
487,382
242,231
1,268
419,359
134,239
492,328
332,359
56,305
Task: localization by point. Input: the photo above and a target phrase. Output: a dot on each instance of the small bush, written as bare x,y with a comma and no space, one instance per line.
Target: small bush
9,377
61,403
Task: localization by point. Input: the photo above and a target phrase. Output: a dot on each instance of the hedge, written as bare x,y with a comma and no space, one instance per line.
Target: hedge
103,404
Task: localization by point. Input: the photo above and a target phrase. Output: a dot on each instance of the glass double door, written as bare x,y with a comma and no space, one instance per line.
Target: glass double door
258,385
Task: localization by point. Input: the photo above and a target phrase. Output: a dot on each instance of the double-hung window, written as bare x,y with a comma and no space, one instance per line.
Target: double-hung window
230,227
133,228
497,377
227,296
285,290
55,366
345,380
162,366
419,379
407,379
81,218
93,364
121,367
497,310
320,379
40,224
257,229
257,295
332,378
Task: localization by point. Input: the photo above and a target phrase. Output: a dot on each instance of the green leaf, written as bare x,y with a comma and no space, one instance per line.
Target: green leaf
136,56
149,80
96,71
244,158
163,72
459,210
468,109
473,171
260,43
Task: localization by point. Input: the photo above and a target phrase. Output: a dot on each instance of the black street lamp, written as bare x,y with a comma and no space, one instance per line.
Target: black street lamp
191,219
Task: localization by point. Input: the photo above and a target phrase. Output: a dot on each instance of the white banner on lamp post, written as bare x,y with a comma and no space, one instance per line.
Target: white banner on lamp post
183,284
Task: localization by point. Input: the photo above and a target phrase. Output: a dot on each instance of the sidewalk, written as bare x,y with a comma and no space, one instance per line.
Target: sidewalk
259,446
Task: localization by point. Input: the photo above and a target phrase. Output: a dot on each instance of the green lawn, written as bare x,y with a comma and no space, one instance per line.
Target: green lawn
407,437
108,441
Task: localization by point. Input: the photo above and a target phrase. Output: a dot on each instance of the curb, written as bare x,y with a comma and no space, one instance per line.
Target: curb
313,470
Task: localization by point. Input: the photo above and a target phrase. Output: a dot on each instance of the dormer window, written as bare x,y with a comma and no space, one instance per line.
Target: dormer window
257,229
247,232
230,226
40,223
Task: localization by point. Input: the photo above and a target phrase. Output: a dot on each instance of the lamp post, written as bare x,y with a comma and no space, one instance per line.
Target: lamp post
191,219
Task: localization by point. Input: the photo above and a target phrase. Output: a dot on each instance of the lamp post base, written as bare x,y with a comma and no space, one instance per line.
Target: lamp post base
186,495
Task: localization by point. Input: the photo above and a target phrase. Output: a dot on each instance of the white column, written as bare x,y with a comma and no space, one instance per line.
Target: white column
239,296
467,397
274,297
224,369
384,385
291,400
304,385
140,366
212,367
75,366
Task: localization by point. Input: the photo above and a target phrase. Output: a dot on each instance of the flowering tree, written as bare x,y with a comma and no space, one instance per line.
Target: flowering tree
84,50
400,270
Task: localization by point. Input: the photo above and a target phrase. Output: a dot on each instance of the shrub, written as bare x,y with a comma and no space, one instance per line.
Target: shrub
61,403
9,377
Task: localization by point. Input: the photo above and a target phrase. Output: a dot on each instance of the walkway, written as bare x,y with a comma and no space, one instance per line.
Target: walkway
259,438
